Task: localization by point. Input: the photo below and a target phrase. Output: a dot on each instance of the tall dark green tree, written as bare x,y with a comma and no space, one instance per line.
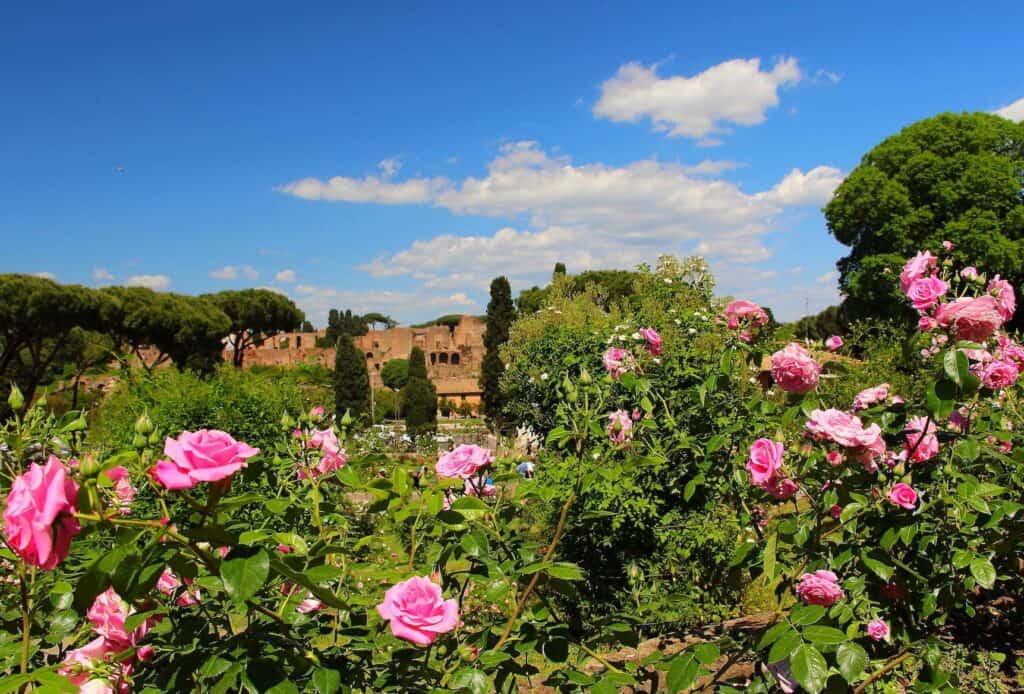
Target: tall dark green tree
395,373
419,397
955,177
351,380
307,327
256,314
559,271
500,314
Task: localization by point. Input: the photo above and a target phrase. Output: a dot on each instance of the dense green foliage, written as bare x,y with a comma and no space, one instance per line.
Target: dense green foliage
822,325
351,380
256,315
955,177
418,397
614,286
395,373
500,314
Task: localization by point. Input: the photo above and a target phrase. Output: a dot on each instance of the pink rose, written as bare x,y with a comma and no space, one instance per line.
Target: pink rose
168,584
870,396
835,511
820,588
833,343
927,324
921,265
317,413
1010,350
878,629
284,549
969,273
958,421
653,340
903,495
974,320
309,604
620,427
948,245
617,361
333,455
925,292
487,490
417,611
463,462
742,310
764,461
794,369
108,614
1003,292
203,456
997,375
79,663
834,458
123,489
39,519
782,489
921,445
842,428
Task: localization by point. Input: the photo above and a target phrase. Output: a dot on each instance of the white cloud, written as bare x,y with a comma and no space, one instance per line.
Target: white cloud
735,91
232,272
827,277
796,270
45,275
155,282
371,189
828,75
101,274
1014,111
285,276
389,167
812,188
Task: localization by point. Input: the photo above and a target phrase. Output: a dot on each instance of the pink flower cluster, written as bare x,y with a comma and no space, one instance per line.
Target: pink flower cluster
794,369
744,316
870,396
39,520
865,444
333,456
652,340
820,588
83,666
168,584
833,343
620,427
903,495
123,489
921,443
463,462
618,361
203,456
417,611
765,466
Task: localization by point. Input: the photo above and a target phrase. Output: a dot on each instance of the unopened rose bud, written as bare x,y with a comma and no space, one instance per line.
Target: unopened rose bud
286,421
585,377
88,467
154,438
346,419
144,425
139,441
16,400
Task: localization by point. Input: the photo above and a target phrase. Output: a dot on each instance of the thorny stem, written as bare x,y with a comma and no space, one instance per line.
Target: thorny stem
888,667
26,616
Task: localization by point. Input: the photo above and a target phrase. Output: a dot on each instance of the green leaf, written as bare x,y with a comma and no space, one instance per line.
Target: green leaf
784,646
566,570
326,681
967,450
880,569
809,668
682,673
244,577
472,680
825,636
706,653
852,660
772,635
983,571
470,507
806,614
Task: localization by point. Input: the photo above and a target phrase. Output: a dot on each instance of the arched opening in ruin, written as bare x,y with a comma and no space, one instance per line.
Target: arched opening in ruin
455,359
433,358
298,341
369,355
443,357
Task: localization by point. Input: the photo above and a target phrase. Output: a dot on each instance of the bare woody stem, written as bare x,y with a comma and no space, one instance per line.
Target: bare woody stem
888,667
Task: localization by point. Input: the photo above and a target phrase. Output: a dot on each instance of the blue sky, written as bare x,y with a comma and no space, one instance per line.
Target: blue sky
398,157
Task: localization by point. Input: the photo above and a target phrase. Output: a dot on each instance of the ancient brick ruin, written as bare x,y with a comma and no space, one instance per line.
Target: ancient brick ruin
453,354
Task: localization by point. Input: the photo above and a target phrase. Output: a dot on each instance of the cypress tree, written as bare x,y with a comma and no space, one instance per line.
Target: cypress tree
419,397
500,314
351,380
559,270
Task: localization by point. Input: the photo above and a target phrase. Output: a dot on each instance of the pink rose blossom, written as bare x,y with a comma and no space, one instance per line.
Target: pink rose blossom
835,511
929,444
284,549
833,343
782,489
487,490
203,456
921,265
333,455
742,310
834,458
39,519
636,415
123,489
1010,350
842,428
958,421
620,427
927,324
764,461
974,320
903,495
617,361
926,292
463,462
653,340
870,396
108,615
317,413
878,629
417,611
997,375
794,370
1003,292
948,245
168,584
309,604
820,588
969,273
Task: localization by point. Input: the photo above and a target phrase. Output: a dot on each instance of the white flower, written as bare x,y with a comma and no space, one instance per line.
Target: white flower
692,331
752,379
668,280
543,377
656,360
636,336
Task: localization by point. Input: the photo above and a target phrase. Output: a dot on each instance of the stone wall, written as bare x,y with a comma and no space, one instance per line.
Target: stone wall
453,354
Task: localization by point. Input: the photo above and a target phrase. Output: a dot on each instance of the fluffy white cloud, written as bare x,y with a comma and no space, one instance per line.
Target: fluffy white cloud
155,282
389,167
403,306
373,189
812,188
232,272
735,91
285,276
1014,111
101,274
45,275
827,277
